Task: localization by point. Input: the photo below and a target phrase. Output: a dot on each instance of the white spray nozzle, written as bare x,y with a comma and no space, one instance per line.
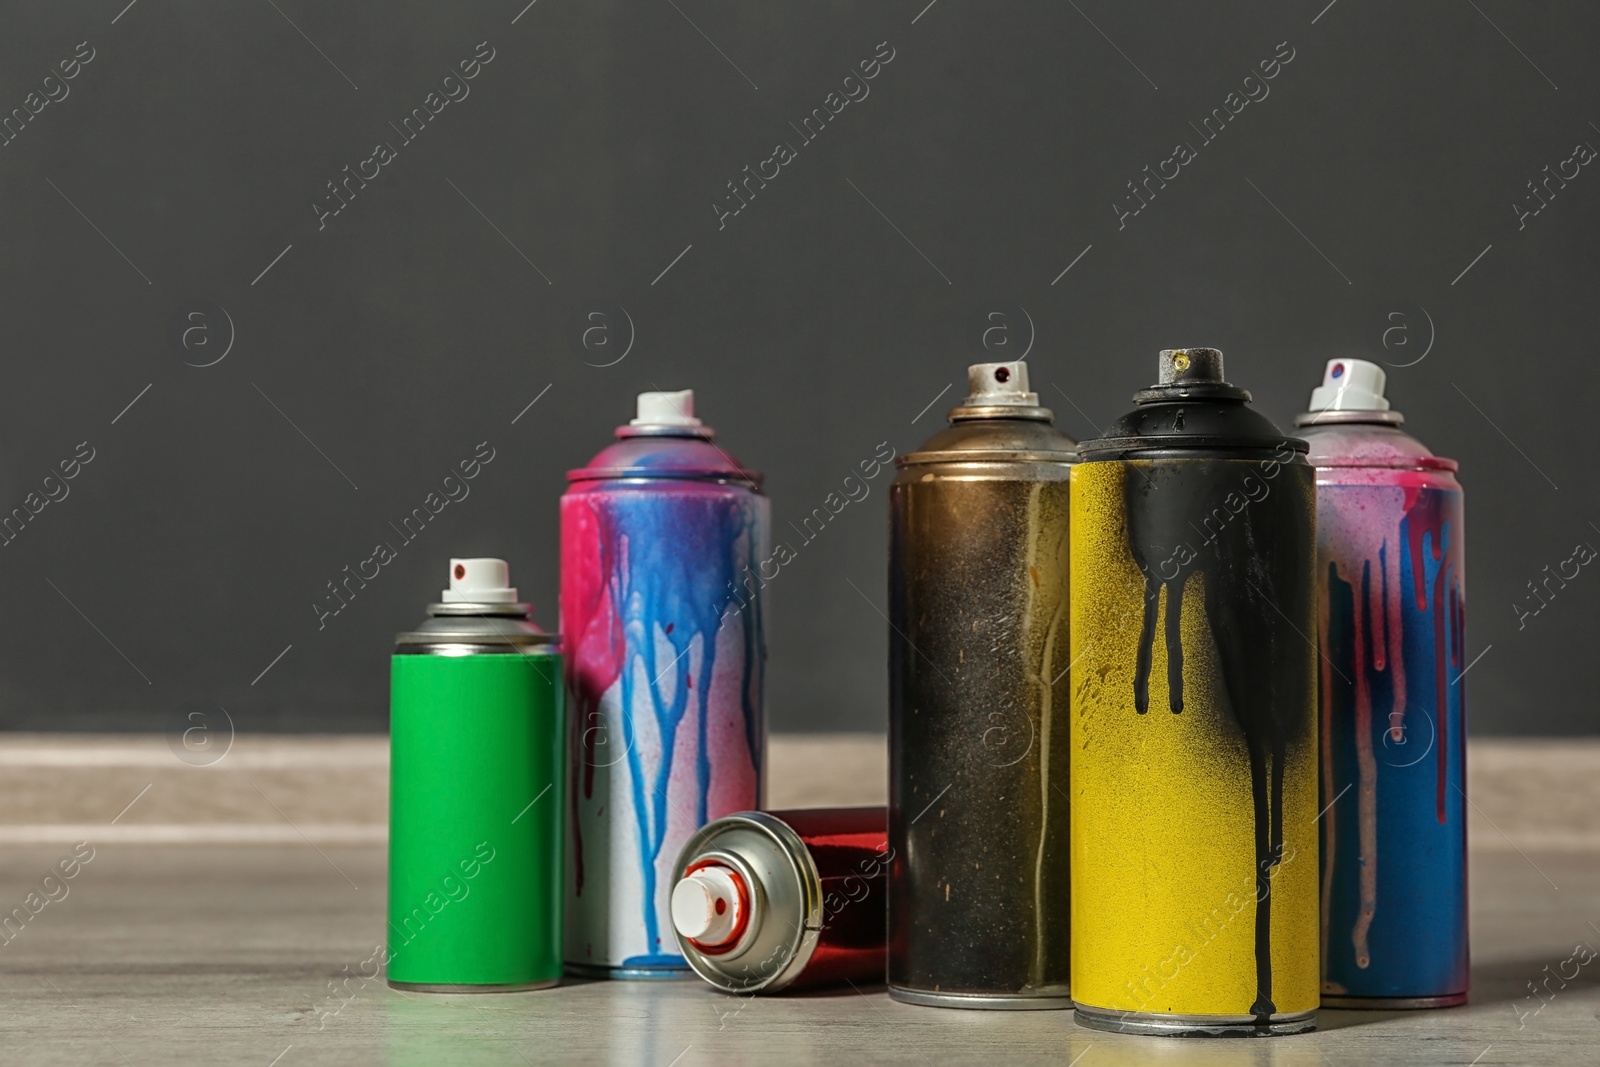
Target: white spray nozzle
1350,385
479,581
999,384
667,409
706,905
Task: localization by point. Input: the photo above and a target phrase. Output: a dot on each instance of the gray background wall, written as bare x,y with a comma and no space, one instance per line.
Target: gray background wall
1333,217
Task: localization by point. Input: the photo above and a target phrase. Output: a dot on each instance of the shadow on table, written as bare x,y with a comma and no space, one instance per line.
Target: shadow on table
832,992
1535,979
1340,1018
1526,984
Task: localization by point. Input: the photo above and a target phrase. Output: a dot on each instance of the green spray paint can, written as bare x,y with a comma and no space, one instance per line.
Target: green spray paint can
477,734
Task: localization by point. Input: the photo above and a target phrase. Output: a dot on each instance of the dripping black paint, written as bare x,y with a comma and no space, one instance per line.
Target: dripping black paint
1207,489
1252,565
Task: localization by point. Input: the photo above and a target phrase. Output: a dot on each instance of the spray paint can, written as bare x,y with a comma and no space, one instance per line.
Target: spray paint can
978,887
1194,739
477,741
663,536
764,902
1391,588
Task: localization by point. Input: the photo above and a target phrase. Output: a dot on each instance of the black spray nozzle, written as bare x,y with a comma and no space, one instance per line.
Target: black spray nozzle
1189,365
1190,373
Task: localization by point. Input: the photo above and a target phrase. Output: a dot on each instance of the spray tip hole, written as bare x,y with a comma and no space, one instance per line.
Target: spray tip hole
722,906
999,385
1350,385
1180,362
479,580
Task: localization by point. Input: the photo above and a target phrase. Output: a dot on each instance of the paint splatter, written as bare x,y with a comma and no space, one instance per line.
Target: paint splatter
1391,559
1253,554
665,671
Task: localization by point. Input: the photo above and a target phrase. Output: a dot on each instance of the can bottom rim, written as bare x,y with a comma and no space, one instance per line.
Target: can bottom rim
1448,1000
982,1001
600,970
1136,1022
473,987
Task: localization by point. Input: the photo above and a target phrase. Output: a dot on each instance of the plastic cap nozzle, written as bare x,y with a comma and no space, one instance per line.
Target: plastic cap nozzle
706,906
479,581
999,384
1350,385
667,409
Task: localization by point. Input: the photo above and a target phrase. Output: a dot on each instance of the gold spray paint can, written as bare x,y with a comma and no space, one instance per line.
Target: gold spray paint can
978,682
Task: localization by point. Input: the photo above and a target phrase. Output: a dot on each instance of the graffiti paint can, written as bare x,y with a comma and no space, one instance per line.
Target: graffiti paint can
662,538
764,902
478,749
1194,738
978,887
1392,594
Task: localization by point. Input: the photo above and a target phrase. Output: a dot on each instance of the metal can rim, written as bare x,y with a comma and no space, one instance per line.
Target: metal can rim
919,459
748,480
1185,446
1332,417
1032,413
1429,464
449,644
803,943
1161,1024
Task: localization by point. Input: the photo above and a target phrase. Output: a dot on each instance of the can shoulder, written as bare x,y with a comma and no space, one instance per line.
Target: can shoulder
995,439
1370,445
695,458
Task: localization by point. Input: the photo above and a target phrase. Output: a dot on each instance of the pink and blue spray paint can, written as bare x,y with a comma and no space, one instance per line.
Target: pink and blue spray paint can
1391,586
665,645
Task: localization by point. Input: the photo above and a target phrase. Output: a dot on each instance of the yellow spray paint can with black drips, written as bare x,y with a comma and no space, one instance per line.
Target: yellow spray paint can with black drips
1193,716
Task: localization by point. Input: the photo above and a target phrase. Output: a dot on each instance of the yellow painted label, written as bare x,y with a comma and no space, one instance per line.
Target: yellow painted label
1163,821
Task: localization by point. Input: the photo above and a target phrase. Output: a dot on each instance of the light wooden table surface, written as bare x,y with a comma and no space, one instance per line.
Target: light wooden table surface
222,902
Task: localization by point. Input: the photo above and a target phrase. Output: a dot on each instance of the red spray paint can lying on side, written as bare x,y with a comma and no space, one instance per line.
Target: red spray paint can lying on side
785,900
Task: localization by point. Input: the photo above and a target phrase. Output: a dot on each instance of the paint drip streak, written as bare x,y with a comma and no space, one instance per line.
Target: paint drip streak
1367,792
1389,565
1247,593
644,617
1329,815
1043,679
1413,534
